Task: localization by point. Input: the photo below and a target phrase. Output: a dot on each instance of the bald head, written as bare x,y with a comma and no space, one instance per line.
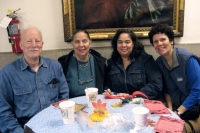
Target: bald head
26,31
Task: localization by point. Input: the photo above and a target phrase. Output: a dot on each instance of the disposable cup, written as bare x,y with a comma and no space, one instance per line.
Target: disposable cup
140,116
91,95
67,110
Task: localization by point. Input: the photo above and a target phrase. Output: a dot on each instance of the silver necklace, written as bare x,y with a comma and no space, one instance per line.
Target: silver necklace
80,64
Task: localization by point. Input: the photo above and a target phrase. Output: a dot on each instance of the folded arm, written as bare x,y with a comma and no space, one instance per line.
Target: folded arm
153,79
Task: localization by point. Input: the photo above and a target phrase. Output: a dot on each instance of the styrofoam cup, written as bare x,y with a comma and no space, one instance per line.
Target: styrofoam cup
140,116
67,110
91,95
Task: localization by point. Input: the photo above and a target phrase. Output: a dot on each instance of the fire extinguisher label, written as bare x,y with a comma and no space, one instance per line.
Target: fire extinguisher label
13,29
5,22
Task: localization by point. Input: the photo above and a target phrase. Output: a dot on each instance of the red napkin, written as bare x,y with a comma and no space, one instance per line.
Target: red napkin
169,124
156,107
56,104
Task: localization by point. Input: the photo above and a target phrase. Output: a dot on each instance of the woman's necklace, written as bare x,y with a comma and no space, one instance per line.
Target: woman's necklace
86,63
88,80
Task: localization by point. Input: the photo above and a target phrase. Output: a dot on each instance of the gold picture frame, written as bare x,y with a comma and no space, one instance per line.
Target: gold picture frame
72,22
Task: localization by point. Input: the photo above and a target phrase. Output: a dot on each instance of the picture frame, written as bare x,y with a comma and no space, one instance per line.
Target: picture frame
103,18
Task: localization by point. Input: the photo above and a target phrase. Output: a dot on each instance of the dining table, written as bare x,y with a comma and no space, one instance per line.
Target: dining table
50,119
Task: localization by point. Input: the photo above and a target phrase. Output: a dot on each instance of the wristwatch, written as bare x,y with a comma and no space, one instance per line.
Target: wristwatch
178,112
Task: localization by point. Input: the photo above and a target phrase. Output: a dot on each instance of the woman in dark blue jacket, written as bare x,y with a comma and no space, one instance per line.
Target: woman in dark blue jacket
130,68
181,72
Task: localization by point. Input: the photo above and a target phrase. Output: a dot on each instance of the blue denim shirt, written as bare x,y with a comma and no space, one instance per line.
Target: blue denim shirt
24,92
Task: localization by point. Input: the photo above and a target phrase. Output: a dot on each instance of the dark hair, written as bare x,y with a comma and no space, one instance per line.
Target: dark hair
80,30
161,28
137,49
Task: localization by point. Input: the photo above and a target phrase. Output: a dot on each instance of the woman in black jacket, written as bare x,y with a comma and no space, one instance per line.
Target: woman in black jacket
131,69
83,67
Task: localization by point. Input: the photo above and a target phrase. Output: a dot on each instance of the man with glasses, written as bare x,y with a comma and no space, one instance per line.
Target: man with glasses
83,67
29,84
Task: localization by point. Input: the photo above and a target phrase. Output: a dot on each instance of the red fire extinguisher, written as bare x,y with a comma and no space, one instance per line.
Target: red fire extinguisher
14,33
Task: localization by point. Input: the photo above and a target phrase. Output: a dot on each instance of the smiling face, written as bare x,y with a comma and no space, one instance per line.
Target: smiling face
124,45
31,44
81,44
162,44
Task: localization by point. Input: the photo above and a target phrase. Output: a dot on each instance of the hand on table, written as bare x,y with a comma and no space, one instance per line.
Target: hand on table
150,123
122,94
108,91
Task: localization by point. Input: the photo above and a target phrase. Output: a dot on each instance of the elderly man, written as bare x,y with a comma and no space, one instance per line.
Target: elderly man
29,84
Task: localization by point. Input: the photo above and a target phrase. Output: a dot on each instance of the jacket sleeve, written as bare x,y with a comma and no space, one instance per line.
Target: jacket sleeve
105,77
61,60
64,61
107,83
8,121
193,76
64,89
154,85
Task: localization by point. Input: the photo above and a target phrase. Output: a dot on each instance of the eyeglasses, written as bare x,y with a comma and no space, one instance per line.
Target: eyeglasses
80,82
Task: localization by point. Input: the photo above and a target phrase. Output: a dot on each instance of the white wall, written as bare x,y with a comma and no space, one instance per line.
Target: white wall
47,16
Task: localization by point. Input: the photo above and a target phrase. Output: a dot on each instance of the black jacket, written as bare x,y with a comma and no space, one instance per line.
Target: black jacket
142,74
99,64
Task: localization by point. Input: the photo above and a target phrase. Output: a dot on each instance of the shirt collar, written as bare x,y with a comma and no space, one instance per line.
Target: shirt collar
119,61
24,65
175,62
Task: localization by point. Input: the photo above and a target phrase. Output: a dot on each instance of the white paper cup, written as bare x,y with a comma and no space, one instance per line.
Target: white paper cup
91,95
140,116
67,110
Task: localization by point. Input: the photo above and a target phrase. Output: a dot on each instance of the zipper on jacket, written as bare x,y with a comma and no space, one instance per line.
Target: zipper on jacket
125,80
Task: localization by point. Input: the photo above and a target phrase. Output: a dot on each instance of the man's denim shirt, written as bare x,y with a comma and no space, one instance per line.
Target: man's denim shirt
24,92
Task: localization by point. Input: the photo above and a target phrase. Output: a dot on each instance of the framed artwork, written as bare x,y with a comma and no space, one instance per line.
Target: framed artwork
102,18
